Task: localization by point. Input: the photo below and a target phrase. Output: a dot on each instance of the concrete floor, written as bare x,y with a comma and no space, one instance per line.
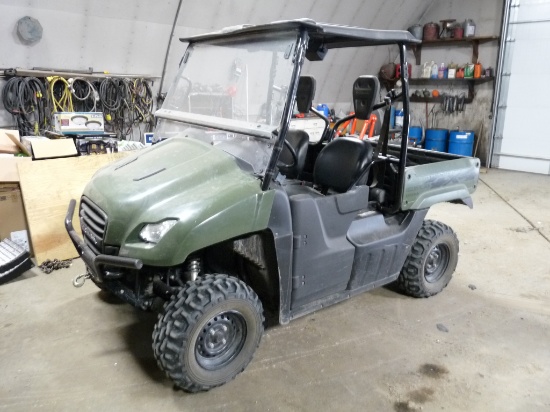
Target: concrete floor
68,349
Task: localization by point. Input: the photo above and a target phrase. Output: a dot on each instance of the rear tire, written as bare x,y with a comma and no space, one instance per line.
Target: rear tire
431,262
208,333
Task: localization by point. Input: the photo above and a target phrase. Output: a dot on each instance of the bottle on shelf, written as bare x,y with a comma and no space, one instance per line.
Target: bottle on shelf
434,71
441,71
477,71
427,70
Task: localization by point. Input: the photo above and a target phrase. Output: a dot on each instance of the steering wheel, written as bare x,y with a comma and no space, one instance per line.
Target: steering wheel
292,153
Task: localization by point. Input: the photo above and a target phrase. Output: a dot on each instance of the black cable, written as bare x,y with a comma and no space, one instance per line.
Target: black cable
84,95
25,99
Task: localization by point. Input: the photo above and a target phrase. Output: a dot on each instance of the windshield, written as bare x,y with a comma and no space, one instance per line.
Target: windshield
233,90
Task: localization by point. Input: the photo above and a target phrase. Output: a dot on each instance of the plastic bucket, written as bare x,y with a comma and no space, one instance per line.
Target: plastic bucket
436,139
461,142
415,134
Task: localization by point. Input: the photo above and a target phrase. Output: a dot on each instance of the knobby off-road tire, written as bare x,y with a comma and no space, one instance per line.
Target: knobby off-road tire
431,262
208,333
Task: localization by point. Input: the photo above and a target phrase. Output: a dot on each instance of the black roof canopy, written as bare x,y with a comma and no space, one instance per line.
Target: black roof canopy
331,36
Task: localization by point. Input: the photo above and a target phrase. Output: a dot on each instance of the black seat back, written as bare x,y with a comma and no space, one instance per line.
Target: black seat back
292,168
365,92
342,163
305,93
298,139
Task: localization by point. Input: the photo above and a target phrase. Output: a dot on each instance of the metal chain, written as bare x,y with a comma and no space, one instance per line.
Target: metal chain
48,266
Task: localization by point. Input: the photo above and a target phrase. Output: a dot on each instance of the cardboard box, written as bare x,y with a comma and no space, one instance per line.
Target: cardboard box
8,168
12,213
79,122
52,149
6,144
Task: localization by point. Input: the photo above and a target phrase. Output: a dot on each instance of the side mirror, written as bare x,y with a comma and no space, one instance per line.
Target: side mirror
365,92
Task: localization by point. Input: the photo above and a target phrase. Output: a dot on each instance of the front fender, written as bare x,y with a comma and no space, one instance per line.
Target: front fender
201,228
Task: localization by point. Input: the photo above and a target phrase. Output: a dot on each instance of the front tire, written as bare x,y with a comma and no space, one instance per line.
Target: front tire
431,262
208,333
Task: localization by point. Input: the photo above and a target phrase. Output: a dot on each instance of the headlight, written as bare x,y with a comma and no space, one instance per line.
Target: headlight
154,232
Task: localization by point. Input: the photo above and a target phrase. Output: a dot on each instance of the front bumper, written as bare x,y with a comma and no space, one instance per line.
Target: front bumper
95,263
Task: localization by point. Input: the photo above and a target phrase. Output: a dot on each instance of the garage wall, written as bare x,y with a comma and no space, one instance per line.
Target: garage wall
477,116
131,37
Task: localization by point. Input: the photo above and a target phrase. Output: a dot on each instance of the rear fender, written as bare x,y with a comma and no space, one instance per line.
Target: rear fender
446,181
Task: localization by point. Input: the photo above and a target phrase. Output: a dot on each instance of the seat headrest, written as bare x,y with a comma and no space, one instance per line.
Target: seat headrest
305,93
365,92
341,163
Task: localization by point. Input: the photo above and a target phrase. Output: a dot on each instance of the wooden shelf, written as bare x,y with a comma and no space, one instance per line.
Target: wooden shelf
415,99
466,82
474,42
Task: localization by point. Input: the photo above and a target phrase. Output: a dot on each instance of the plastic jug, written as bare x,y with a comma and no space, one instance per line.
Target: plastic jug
323,108
434,71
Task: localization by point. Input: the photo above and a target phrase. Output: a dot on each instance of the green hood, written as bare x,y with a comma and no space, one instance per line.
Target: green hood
181,178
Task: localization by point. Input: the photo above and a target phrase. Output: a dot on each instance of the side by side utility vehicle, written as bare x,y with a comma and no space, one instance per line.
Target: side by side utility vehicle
233,212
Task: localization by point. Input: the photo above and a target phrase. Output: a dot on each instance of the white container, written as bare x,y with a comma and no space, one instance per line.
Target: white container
451,73
469,28
427,70
435,70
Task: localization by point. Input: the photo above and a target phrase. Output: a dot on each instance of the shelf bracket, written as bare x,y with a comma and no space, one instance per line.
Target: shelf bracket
417,50
475,51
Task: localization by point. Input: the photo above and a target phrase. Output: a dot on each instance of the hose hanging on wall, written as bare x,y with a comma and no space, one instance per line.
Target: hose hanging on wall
126,104
142,102
85,96
60,94
25,99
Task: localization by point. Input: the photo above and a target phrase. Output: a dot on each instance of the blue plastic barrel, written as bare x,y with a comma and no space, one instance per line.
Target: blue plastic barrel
436,139
461,142
415,134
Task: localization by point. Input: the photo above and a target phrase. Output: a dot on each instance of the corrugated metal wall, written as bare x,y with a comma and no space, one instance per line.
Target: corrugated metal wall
131,36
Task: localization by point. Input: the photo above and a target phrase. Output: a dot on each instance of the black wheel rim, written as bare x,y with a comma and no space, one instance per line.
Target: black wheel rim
436,263
220,340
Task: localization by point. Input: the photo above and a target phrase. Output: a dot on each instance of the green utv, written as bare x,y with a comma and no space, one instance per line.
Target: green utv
233,212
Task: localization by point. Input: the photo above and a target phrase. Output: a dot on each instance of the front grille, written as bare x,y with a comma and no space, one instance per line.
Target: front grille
93,222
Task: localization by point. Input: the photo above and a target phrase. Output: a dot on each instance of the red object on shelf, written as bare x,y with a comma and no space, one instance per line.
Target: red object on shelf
431,31
458,32
398,71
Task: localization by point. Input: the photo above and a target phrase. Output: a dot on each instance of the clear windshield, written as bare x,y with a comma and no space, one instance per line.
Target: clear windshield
235,90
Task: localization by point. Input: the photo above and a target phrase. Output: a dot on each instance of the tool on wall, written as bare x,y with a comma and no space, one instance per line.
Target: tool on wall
453,103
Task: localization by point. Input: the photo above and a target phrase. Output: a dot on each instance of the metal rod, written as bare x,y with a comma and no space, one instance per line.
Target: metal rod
301,46
530,21
498,80
405,130
46,73
168,50
546,159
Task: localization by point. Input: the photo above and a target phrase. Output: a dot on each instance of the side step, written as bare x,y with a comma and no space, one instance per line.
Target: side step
14,260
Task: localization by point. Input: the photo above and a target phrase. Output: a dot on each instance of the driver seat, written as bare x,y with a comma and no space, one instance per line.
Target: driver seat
298,139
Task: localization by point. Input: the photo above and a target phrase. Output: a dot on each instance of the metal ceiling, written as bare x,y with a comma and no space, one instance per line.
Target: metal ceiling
128,36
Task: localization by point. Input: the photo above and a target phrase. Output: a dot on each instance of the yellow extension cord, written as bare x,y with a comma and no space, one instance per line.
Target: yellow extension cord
65,102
